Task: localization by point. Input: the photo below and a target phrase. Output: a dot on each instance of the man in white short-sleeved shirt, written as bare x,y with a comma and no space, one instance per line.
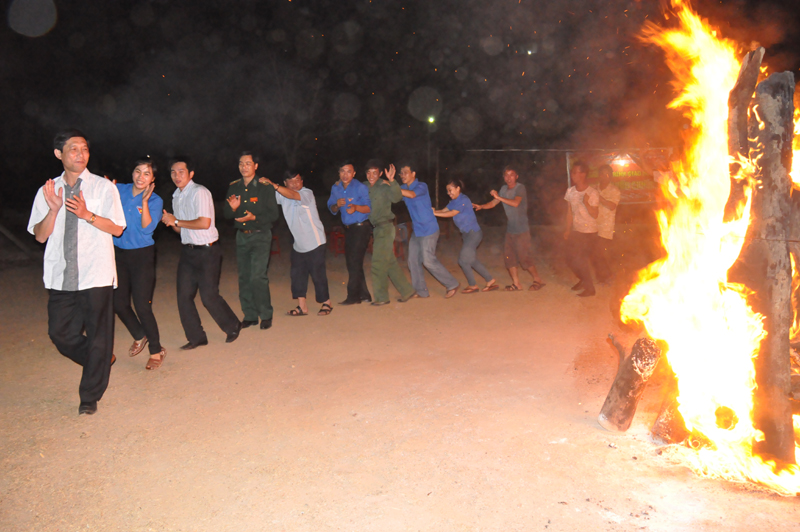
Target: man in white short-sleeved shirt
583,246
308,252
76,214
201,259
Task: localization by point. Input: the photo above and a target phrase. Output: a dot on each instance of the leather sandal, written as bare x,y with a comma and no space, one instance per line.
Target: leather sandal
137,346
155,363
326,309
297,311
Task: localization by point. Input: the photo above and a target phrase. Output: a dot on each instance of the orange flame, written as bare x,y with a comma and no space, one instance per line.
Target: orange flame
685,298
795,175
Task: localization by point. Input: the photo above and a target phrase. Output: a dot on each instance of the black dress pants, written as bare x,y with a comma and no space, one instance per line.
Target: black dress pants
356,240
69,314
199,269
136,277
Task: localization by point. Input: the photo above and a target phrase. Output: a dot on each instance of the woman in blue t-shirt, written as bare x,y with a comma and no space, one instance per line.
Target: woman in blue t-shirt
461,211
136,261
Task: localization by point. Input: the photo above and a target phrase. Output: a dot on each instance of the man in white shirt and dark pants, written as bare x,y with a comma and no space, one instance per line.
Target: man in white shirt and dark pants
201,258
583,246
76,214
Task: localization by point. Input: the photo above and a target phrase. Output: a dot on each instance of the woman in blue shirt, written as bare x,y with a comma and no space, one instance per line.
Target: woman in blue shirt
461,211
136,264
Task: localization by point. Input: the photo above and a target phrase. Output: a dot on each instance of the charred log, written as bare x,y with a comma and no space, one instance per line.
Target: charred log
632,375
669,426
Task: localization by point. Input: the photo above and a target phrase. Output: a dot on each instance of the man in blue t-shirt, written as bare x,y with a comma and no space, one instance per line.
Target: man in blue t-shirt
422,244
517,248
351,198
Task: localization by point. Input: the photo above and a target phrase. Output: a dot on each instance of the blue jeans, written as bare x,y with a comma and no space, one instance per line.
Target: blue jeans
468,258
422,252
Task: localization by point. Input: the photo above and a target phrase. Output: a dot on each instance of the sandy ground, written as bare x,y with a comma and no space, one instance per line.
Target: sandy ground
475,413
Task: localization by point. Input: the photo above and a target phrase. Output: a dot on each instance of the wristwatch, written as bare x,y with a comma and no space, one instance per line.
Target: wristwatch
92,219
176,222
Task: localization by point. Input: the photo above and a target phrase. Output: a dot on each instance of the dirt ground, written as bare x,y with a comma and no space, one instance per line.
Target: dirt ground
474,413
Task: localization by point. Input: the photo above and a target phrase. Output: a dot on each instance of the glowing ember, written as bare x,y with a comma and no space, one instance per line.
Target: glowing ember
685,299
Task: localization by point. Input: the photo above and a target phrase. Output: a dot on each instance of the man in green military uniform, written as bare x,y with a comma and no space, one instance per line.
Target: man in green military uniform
253,208
384,264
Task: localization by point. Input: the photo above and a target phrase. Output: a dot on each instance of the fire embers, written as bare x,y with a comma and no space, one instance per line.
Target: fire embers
726,418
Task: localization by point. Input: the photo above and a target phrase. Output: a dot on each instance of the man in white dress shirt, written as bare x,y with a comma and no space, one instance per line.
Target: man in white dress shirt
201,259
76,214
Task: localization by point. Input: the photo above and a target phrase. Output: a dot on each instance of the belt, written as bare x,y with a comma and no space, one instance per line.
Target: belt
347,226
249,231
382,223
192,246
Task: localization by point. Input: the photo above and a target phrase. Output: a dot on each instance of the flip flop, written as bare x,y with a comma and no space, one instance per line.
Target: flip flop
491,288
451,293
537,286
470,290
297,312
512,288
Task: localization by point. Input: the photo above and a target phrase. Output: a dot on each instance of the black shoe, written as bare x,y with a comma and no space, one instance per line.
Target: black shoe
380,303
351,302
248,323
235,334
266,324
87,407
190,345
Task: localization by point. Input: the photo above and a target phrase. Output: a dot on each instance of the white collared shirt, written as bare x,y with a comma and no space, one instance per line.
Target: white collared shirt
191,203
96,266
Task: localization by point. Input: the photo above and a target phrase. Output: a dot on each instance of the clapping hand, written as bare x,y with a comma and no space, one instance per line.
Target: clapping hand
234,202
168,219
54,201
77,206
248,216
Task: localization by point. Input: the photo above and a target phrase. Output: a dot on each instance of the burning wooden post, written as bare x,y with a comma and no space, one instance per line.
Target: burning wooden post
764,265
739,101
632,375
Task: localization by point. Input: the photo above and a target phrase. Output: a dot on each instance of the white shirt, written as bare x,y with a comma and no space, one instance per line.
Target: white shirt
606,217
582,221
96,265
303,220
191,203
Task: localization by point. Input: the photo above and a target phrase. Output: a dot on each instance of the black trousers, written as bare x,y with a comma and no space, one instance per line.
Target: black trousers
356,240
69,314
199,269
310,263
136,277
583,251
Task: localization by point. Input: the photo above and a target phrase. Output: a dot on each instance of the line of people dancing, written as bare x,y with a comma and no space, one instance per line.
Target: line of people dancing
100,254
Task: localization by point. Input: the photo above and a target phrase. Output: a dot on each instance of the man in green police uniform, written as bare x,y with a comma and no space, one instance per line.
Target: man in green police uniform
253,209
384,264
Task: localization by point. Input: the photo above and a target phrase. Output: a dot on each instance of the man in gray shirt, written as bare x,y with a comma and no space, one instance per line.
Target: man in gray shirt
518,233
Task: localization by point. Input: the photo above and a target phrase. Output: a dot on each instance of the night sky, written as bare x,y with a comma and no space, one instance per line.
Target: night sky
309,83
